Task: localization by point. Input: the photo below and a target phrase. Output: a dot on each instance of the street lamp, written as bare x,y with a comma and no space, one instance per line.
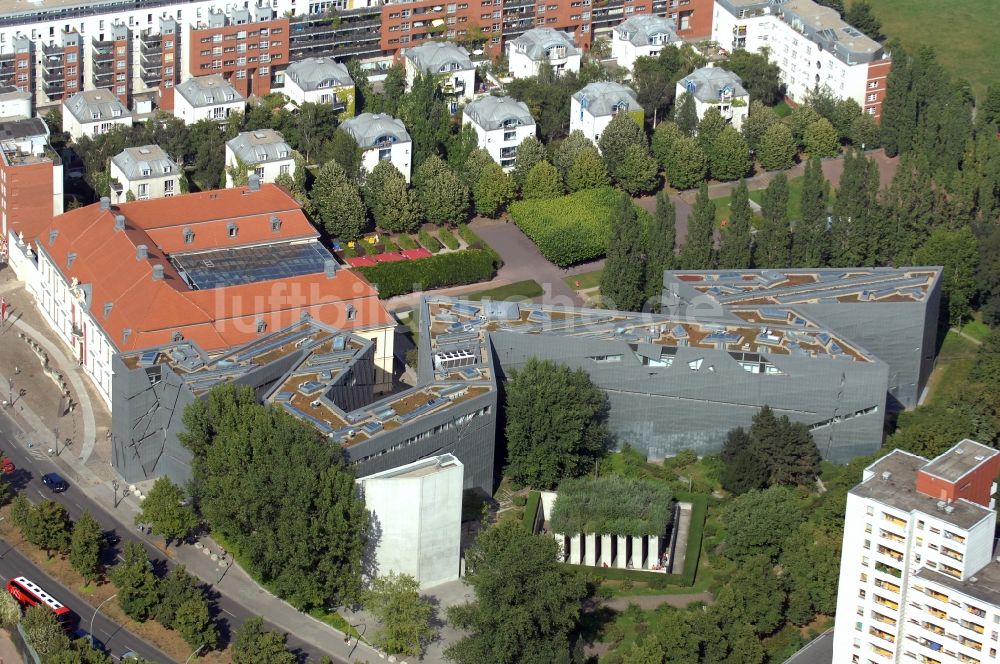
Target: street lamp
114,488
196,651
360,634
96,611
228,559
55,431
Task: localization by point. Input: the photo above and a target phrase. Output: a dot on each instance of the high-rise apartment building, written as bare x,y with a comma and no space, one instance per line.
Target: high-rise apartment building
918,578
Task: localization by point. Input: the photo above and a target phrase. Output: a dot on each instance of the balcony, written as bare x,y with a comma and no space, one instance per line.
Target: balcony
53,51
931,627
941,597
53,68
886,569
154,45
453,87
978,629
53,90
887,603
886,534
885,585
892,553
151,75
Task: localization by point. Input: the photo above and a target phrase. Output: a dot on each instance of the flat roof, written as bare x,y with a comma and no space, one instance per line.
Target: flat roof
984,585
960,460
246,265
898,489
421,468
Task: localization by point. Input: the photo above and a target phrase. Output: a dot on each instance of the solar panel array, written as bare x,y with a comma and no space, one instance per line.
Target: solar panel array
247,265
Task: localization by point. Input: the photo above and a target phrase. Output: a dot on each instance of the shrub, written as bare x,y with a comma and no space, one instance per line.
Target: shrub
406,242
388,246
448,239
531,510
428,241
460,267
570,229
520,501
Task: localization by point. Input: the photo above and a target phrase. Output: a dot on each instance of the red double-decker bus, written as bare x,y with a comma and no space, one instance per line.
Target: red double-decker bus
28,593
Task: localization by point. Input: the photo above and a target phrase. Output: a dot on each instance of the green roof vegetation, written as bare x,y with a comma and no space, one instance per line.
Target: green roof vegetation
612,505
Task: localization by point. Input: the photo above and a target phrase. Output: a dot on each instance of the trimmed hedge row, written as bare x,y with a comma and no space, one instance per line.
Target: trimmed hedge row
570,229
448,239
530,511
429,242
454,269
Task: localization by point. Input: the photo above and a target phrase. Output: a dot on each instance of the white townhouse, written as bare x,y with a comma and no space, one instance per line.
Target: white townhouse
320,80
263,151
446,60
15,104
501,123
92,113
812,46
714,87
641,36
380,137
145,172
527,53
210,97
593,107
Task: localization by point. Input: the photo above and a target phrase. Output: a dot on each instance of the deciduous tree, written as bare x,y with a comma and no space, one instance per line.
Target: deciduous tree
771,246
443,196
493,191
686,114
193,622
49,527
777,148
543,181
861,16
165,511
661,246
393,205
252,644
759,522
588,171
43,632
821,139
686,164
664,137
958,251
395,600
85,547
761,77
338,203
529,153
637,172
729,156
10,611
138,587
616,138
759,119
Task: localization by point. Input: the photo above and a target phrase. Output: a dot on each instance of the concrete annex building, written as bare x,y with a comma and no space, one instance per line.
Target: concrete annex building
919,577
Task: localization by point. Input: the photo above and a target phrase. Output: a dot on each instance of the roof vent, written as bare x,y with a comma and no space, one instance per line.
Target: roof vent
980,457
126,333
141,252
107,308
275,223
330,268
959,450
949,509
53,234
119,222
157,272
973,579
253,182
105,203
176,336
70,257
886,475
941,504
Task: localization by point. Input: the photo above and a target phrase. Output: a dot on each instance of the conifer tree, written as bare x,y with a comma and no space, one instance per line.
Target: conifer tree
660,251
771,246
734,249
809,237
624,268
699,245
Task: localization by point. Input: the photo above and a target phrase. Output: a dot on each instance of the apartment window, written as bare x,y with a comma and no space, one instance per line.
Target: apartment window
259,171
168,186
168,44
241,74
872,85
217,39
143,190
285,169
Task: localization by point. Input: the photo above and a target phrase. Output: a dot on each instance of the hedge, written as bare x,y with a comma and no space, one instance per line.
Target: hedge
530,511
454,269
406,242
429,242
473,241
448,239
612,505
570,229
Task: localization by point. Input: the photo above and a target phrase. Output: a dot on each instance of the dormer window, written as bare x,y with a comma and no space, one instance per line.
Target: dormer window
176,336
209,100
283,153
619,107
233,229
230,96
168,169
275,224
261,325
116,113
146,172
95,115
188,236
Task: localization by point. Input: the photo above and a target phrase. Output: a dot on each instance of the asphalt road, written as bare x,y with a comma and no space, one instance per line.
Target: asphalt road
27,478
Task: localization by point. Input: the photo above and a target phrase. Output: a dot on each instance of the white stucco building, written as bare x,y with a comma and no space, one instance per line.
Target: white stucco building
15,104
919,581
320,80
501,123
416,513
641,36
381,137
146,171
714,87
263,152
811,44
593,107
210,97
445,60
527,53
92,113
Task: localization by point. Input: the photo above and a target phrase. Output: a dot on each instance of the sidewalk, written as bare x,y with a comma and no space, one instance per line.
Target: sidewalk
86,462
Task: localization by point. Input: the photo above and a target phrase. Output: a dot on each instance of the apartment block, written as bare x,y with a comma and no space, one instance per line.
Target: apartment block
501,124
31,178
918,578
112,62
811,44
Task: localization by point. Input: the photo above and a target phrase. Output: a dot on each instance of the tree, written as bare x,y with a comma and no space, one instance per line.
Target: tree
821,139
252,644
861,17
990,108
988,279
529,153
759,522
850,230
209,158
759,119
735,247
568,150
442,194
525,606
616,138
460,146
638,171
43,631
729,156
345,151
686,114
425,114
710,128
775,451
193,622
777,148
20,511
555,423
743,470
85,547
338,202
588,171
698,252
661,246
811,559
665,136
761,77
49,527
771,246
655,78
138,587
394,599
175,589
493,191
799,120
809,235
164,509
958,252
478,162
10,611
624,269
543,181
686,164
864,132
392,203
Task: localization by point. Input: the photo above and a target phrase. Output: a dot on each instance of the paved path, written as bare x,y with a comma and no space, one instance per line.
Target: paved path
649,602
966,336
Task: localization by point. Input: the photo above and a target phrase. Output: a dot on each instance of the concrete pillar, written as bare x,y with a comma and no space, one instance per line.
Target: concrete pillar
607,554
590,552
654,550
574,550
622,558
637,561
561,542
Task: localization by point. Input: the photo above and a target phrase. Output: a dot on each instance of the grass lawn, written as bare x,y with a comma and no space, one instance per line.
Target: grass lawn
587,280
966,42
782,109
757,196
976,328
519,289
951,371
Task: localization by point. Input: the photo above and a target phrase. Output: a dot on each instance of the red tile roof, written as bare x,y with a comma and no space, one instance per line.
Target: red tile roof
153,310
361,261
414,254
389,258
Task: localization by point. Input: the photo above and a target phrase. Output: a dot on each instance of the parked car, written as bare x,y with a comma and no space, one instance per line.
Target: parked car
110,538
55,482
7,465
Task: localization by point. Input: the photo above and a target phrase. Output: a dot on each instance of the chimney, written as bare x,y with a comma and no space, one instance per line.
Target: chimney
157,272
253,182
330,268
141,252
119,222
105,203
